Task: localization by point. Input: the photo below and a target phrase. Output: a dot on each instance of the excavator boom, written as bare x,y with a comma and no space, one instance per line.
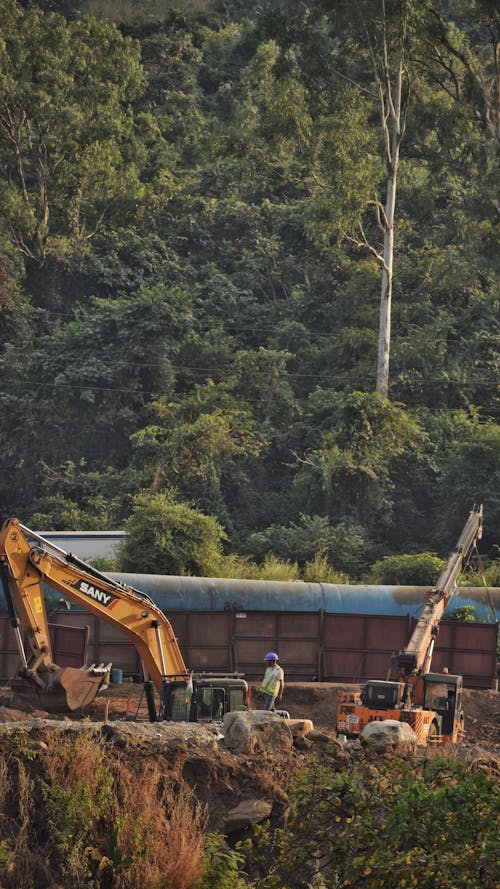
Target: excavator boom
25,566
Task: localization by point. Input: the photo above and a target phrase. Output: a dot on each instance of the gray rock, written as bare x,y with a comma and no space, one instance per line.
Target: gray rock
321,737
388,734
253,730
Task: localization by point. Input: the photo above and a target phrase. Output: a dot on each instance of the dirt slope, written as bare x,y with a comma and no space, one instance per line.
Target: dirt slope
315,700
194,756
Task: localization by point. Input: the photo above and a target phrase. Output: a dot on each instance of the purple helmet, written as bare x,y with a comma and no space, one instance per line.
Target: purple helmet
271,656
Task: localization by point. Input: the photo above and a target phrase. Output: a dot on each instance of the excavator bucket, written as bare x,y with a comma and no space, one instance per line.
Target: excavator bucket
70,689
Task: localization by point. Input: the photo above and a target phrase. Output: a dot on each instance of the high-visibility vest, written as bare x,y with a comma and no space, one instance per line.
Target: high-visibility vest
271,682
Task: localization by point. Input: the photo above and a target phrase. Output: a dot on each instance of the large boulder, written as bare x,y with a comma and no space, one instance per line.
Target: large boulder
253,730
388,735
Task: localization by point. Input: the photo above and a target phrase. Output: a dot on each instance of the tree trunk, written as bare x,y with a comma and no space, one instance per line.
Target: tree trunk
392,130
384,336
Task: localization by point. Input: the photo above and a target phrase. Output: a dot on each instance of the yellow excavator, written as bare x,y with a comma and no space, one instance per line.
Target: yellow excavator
28,562
431,703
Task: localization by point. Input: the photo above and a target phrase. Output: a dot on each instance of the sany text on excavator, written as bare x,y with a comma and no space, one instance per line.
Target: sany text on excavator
430,702
27,561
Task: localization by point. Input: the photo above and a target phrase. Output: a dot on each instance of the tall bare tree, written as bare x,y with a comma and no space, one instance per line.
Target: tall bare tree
389,55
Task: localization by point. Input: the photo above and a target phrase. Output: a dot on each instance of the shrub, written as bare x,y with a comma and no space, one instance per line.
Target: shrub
222,866
491,575
343,545
81,819
383,824
167,537
465,613
318,570
419,569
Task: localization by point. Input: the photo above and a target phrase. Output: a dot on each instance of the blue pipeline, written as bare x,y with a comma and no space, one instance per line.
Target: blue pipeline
173,593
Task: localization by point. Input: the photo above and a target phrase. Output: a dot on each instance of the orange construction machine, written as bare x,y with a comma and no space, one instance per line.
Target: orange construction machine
431,703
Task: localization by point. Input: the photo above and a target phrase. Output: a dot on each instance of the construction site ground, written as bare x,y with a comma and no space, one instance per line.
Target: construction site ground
315,700
230,787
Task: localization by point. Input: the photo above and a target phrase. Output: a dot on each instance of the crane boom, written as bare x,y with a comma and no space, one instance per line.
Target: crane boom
429,702
416,657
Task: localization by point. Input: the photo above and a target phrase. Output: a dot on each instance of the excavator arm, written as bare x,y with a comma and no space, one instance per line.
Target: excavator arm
25,567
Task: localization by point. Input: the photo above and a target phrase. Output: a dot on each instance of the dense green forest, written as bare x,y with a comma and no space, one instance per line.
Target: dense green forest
194,230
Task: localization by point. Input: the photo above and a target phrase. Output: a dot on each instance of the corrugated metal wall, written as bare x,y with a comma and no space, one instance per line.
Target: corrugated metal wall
70,646
311,645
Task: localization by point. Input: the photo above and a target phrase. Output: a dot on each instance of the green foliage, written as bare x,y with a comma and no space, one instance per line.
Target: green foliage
57,512
102,563
73,815
74,810
491,574
418,569
222,866
465,613
273,568
186,307
65,139
7,854
385,824
357,438
313,539
196,442
167,537
318,570
112,860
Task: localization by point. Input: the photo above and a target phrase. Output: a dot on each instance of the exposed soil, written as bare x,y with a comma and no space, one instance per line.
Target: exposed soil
318,701
195,755
315,700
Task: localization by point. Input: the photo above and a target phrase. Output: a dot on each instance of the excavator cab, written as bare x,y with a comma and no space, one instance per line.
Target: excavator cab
431,703
211,699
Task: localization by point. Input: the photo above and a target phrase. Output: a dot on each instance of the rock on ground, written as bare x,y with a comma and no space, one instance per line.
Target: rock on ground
389,734
253,730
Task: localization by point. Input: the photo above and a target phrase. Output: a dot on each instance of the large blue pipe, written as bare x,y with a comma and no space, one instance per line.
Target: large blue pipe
173,593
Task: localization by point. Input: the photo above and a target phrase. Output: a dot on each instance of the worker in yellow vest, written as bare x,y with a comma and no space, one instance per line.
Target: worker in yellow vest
273,682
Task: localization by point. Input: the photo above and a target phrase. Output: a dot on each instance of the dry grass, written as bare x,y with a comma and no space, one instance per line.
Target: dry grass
21,862
77,814
163,831
77,757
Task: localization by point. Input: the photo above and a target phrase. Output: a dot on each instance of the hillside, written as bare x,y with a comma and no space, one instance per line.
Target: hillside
197,216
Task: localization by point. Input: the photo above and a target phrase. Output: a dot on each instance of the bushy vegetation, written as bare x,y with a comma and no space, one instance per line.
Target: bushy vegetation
73,816
420,568
77,814
384,823
191,203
